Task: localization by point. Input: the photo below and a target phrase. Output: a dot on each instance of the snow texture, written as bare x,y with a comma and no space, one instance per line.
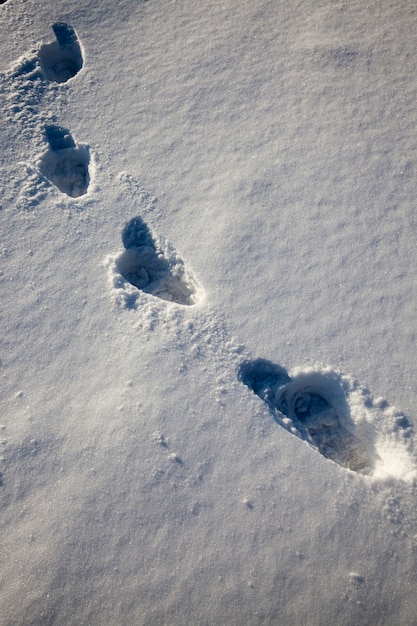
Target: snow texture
207,306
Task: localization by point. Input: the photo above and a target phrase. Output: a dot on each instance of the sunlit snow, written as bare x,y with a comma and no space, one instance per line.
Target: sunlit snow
208,313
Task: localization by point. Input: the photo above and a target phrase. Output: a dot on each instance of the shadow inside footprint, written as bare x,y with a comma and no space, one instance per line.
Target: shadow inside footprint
142,265
263,377
312,405
62,59
65,163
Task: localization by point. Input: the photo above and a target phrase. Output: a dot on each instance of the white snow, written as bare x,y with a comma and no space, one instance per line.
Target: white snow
208,304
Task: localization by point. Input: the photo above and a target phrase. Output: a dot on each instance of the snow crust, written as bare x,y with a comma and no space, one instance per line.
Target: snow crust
208,304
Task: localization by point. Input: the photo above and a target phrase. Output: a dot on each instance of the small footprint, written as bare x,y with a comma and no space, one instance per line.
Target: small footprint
148,269
337,416
62,59
65,163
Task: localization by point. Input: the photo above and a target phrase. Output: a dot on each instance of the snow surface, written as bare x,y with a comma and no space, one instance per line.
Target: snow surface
208,311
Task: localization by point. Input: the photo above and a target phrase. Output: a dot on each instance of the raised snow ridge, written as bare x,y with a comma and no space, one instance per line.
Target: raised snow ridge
62,59
65,163
337,416
150,269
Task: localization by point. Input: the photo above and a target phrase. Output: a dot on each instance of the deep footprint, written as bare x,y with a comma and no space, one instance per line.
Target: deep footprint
317,406
312,405
65,163
62,59
145,267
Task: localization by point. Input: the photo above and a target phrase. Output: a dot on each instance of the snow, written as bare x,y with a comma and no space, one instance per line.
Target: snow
208,312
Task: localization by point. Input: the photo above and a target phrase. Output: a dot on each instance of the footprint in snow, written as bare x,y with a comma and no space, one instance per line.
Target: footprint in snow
337,416
65,163
150,268
62,59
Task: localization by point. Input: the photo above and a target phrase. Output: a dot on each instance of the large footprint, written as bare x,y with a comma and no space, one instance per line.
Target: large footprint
65,163
148,268
337,416
62,59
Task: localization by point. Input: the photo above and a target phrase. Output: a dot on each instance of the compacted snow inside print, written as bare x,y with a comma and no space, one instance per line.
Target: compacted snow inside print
208,297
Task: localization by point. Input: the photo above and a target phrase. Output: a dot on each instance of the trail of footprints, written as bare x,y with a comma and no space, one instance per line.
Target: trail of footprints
64,163
143,266
328,410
